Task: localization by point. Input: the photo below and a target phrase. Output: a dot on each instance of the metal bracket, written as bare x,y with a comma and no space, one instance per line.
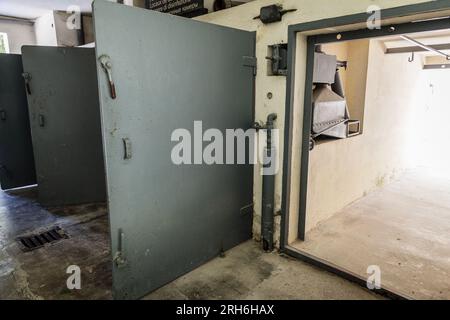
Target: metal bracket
251,62
278,59
105,61
272,13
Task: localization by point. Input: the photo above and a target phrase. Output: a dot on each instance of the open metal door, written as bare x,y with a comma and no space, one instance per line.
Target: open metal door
16,149
168,72
65,124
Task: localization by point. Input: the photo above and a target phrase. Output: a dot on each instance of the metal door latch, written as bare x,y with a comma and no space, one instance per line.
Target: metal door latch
2,115
27,78
119,259
105,61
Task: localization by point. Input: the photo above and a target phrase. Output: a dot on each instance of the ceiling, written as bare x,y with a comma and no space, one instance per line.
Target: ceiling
427,38
32,9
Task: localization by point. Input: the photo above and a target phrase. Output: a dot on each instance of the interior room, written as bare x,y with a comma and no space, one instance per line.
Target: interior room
136,139
379,195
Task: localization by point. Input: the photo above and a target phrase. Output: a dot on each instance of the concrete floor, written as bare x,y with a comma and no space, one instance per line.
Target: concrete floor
244,273
41,274
404,228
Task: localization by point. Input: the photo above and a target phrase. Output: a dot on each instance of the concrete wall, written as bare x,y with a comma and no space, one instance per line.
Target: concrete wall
358,55
45,30
19,34
432,134
66,37
242,17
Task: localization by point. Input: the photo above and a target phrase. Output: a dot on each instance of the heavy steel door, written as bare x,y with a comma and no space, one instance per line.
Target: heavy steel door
65,124
16,150
168,72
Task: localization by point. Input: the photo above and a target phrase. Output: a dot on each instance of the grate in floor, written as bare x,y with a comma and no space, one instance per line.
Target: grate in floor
36,241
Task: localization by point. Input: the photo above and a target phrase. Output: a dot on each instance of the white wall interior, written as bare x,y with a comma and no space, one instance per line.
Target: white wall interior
19,33
45,30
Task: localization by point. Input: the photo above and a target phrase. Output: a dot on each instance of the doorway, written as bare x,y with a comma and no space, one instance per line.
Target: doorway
335,179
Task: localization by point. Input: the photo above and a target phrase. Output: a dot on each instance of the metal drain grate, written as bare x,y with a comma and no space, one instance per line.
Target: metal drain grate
36,241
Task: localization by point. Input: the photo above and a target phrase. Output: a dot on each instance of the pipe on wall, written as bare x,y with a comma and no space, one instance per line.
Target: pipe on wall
268,190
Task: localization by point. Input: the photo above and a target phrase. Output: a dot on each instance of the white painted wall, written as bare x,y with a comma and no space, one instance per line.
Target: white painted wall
242,17
432,134
45,30
19,34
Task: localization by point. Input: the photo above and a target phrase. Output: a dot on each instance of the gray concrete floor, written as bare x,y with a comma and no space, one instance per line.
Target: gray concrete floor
404,228
248,273
244,273
41,274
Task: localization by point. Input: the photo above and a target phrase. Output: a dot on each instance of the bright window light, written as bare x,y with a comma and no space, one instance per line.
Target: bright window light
4,44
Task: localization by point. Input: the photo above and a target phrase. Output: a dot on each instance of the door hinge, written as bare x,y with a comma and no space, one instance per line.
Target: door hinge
2,115
250,62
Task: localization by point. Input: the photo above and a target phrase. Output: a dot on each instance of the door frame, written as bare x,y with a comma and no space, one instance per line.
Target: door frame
313,38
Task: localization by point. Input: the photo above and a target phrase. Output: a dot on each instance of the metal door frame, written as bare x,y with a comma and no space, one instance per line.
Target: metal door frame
312,40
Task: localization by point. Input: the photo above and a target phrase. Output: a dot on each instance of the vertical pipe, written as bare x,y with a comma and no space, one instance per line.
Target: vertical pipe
268,190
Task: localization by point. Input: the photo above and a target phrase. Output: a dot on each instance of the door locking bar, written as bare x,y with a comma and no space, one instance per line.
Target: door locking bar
119,258
105,61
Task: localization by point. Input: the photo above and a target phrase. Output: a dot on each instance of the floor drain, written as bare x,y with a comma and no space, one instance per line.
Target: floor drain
36,241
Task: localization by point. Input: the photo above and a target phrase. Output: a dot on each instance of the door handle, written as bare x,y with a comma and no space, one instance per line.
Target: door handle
2,115
105,61
41,120
127,153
